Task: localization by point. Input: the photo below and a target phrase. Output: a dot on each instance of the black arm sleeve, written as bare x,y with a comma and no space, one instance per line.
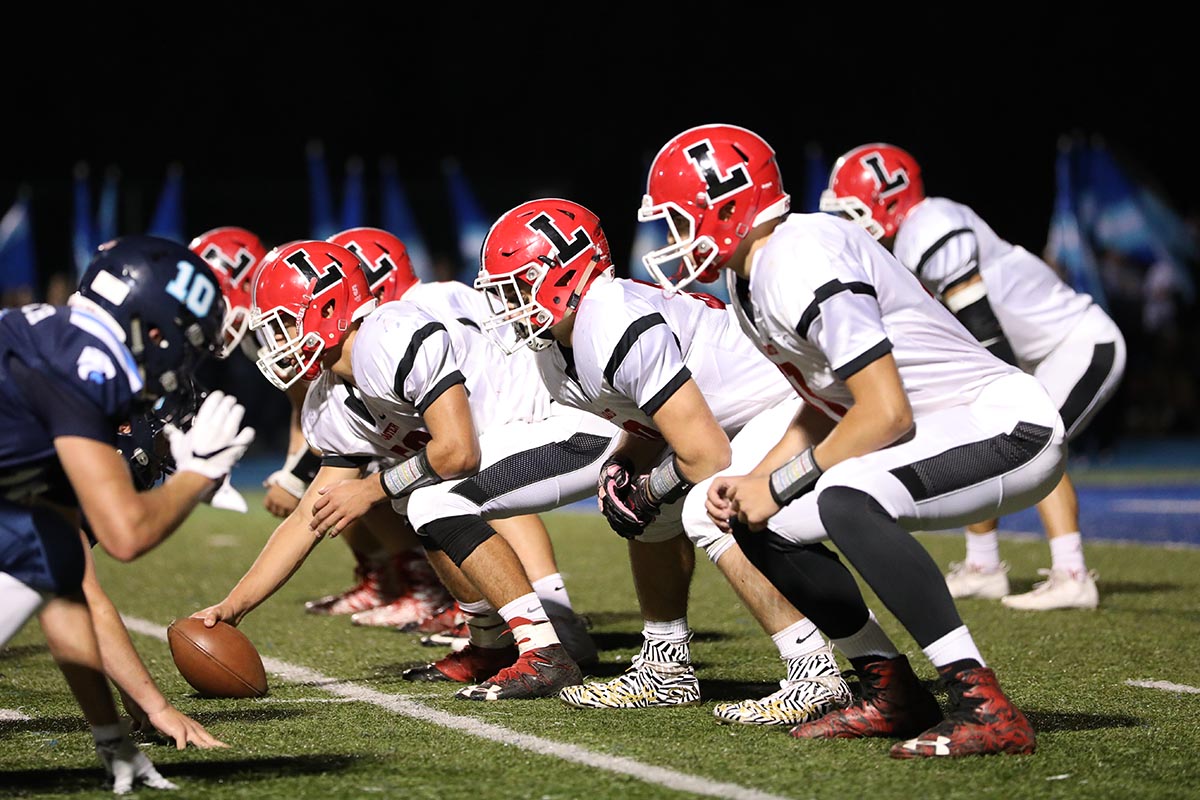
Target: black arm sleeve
981,321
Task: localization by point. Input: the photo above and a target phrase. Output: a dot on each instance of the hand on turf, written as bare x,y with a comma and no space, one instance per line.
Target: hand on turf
340,504
174,724
216,439
126,764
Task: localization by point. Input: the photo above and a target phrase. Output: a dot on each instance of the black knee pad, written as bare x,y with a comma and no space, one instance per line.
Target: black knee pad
457,536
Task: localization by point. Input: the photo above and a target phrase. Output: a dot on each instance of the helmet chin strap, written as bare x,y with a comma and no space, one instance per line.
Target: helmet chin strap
577,295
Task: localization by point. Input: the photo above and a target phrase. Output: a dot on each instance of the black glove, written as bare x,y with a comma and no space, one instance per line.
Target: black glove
626,503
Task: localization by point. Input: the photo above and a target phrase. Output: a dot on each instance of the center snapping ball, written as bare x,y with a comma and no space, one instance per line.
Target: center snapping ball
219,661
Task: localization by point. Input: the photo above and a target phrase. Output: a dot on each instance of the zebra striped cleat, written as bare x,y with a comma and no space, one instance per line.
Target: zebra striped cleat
814,686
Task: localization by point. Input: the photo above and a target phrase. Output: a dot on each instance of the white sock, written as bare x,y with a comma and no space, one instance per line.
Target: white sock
798,639
552,591
983,550
528,622
954,646
1066,553
675,630
870,640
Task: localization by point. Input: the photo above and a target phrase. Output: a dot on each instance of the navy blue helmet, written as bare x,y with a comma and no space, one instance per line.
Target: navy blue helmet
168,302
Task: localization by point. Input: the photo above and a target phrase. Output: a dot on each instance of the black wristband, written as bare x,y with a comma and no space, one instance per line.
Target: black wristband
308,466
795,478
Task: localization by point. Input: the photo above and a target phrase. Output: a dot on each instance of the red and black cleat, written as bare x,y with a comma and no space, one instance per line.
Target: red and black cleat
982,720
539,672
468,665
893,703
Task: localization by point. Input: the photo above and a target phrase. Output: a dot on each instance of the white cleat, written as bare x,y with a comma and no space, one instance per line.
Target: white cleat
968,580
1061,589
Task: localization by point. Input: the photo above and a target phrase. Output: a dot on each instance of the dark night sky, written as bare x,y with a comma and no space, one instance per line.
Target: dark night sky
543,99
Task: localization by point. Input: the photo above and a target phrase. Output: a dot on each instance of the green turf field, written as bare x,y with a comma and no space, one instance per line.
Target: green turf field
352,728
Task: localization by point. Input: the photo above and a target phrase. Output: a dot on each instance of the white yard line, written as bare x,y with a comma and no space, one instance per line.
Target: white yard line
1165,686
1152,506
400,704
12,715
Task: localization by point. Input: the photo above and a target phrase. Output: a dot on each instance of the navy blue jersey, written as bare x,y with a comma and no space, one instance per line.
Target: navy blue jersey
64,371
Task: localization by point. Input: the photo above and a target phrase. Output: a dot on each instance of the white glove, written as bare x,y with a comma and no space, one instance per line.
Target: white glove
228,498
125,763
213,443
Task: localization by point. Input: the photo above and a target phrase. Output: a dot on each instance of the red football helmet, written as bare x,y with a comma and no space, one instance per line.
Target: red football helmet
712,185
233,253
303,300
537,260
385,261
874,185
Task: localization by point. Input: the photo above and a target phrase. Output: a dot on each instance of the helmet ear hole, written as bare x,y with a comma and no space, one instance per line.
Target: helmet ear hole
327,309
727,210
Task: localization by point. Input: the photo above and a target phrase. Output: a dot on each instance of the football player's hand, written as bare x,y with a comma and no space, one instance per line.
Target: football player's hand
216,439
750,496
126,764
279,501
625,503
221,612
717,504
174,724
342,503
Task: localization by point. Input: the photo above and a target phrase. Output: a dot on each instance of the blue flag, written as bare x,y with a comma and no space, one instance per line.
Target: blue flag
18,259
323,220
168,220
1067,244
105,226
816,179
471,225
82,235
1128,217
398,219
354,204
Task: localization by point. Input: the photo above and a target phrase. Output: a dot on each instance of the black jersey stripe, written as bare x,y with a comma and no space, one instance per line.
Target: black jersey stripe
627,341
410,356
666,392
938,245
823,293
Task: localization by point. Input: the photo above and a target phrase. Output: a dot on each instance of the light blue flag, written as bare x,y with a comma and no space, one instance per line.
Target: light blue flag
323,220
168,220
398,219
471,225
1067,245
18,257
82,236
354,203
816,179
1130,218
105,226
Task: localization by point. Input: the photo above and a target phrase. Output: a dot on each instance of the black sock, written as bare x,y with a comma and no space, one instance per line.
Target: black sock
891,561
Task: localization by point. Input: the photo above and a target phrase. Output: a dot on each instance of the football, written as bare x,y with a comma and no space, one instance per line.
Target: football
219,661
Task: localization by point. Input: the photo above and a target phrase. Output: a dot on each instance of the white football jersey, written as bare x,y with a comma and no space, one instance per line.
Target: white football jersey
404,358
633,347
942,242
824,300
450,298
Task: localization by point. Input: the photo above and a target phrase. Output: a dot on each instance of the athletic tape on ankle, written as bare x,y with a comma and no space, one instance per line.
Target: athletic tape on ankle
794,478
408,476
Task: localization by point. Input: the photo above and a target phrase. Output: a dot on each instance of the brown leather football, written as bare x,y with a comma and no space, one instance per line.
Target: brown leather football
219,661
